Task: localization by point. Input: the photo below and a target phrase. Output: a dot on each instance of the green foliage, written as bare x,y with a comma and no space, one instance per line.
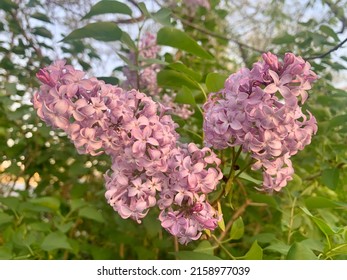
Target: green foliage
108,6
52,203
102,31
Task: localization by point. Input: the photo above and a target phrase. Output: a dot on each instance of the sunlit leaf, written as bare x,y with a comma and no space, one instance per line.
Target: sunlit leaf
221,223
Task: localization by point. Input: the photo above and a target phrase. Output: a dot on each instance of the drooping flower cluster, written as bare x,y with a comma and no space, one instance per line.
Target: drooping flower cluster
260,110
141,140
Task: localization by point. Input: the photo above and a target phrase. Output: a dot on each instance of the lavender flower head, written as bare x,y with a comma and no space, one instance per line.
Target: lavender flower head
260,110
149,165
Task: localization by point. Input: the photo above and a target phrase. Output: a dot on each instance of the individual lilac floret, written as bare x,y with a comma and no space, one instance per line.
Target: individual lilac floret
148,164
259,109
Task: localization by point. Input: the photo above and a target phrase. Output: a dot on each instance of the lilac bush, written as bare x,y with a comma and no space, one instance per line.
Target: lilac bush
149,165
260,110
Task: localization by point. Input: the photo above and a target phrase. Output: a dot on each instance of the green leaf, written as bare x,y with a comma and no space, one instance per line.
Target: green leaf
215,81
180,67
321,202
126,39
102,31
55,240
299,251
329,31
330,177
254,253
205,247
107,7
340,249
284,39
109,80
162,16
237,229
11,202
5,253
48,201
41,17
175,79
43,32
5,218
91,213
175,38
322,225
264,198
190,255
77,204
185,96
221,223
247,177
7,5
279,247
143,8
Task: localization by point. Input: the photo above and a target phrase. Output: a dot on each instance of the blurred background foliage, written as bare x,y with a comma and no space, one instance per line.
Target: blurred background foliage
52,203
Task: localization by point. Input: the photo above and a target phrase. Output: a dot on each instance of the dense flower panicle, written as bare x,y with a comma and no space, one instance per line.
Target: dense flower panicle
259,109
148,164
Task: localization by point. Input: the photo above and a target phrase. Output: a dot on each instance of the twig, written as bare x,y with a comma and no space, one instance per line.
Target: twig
328,52
217,35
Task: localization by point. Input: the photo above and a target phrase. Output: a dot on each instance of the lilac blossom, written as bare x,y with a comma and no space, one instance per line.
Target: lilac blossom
149,166
259,110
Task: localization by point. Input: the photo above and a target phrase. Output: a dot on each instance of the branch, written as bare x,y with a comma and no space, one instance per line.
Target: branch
328,52
217,35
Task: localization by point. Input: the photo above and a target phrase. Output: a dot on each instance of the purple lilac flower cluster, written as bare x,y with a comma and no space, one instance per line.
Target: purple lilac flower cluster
149,166
260,110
